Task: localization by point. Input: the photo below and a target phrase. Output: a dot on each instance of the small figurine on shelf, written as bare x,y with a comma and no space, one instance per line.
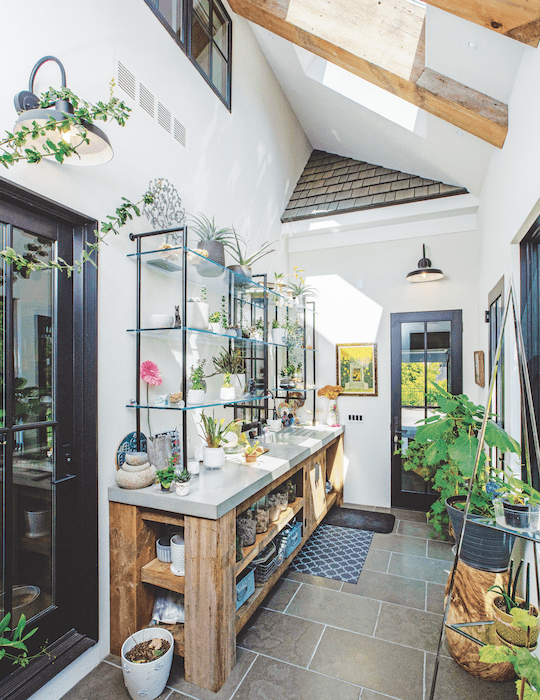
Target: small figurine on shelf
177,319
251,386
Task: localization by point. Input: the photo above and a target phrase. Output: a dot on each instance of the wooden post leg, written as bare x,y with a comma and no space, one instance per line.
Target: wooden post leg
132,546
210,642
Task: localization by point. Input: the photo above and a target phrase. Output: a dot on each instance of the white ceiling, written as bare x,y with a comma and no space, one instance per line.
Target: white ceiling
472,55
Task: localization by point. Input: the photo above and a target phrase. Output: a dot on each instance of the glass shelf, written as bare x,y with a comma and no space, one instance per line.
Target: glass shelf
281,390
533,536
247,398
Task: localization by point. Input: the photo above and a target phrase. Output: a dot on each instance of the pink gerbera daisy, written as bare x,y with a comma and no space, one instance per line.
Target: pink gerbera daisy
150,373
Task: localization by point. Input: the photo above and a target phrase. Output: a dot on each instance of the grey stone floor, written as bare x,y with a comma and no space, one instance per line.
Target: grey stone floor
320,639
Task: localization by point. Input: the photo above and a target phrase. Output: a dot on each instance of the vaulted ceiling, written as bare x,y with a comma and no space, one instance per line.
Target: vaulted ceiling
455,60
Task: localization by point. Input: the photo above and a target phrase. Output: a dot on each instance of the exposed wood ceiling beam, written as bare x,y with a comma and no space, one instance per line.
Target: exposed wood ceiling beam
315,25
517,19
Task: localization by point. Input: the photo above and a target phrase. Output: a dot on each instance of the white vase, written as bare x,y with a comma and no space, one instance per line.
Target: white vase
214,457
279,336
197,315
227,393
182,488
178,555
215,327
195,396
147,680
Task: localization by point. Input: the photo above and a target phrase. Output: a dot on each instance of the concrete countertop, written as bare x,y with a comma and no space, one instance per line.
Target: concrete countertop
215,493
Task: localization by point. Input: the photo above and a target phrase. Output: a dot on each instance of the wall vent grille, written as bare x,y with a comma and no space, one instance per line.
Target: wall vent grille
164,117
179,132
151,105
126,80
146,100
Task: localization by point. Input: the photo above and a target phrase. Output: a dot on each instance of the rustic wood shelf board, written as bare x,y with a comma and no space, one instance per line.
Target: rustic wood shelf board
177,632
159,573
158,516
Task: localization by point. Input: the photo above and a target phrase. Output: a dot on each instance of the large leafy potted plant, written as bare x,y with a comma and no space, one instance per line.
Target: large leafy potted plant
212,241
444,453
237,246
213,431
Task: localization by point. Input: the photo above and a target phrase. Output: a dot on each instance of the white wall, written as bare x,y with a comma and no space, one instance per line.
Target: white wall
240,166
347,314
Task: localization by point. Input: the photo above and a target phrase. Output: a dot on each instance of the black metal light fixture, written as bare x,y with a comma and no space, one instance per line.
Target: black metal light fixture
97,152
425,272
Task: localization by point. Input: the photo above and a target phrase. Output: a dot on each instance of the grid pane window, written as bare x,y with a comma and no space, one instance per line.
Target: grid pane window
204,30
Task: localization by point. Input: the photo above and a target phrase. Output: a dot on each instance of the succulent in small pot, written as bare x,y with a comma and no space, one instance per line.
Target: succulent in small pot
279,333
227,391
183,480
197,391
214,322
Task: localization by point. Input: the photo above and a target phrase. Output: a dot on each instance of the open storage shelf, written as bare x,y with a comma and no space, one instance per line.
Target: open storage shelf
266,537
159,574
177,632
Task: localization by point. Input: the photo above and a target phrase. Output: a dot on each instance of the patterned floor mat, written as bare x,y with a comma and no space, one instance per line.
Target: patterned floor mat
334,552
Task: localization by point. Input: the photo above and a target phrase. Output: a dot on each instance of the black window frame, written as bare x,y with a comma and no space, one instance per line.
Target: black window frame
187,18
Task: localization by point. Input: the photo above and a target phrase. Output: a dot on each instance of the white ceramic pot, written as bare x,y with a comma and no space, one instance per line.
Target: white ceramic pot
215,327
161,321
163,549
195,396
257,335
182,488
38,523
197,315
148,680
178,556
227,393
274,424
279,336
214,457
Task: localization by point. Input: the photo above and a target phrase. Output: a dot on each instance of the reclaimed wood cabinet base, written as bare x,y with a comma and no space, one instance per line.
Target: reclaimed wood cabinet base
207,640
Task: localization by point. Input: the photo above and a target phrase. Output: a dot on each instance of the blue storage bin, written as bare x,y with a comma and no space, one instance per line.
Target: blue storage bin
245,586
294,537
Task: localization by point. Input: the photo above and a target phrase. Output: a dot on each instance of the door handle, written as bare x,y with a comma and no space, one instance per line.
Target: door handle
65,454
68,477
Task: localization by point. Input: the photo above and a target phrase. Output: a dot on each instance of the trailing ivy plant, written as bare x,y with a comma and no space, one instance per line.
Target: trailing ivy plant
444,449
18,146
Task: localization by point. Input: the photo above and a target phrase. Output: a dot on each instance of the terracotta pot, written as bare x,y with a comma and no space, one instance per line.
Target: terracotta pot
250,459
507,631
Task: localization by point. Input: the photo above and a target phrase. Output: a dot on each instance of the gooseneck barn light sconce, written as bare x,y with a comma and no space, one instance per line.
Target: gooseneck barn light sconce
425,272
97,152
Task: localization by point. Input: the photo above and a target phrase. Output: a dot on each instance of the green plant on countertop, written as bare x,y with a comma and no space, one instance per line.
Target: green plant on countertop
16,643
444,452
207,230
237,247
183,476
197,375
166,476
526,666
212,430
21,146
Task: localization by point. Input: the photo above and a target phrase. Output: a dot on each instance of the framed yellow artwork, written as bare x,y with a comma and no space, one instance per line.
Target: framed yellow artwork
356,365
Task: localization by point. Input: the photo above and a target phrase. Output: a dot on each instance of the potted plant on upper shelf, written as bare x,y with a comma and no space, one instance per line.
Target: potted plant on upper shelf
227,391
197,391
443,453
212,240
298,290
237,247
257,330
214,322
197,312
279,332
213,431
286,373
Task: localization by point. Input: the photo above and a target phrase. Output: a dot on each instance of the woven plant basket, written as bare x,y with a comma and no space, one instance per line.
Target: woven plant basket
506,630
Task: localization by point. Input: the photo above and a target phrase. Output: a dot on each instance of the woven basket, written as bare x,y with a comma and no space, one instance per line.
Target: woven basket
506,630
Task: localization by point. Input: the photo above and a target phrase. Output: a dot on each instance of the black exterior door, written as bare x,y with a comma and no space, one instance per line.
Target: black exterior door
47,436
426,347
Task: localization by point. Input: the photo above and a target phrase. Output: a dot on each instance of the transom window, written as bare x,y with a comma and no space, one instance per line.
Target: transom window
204,31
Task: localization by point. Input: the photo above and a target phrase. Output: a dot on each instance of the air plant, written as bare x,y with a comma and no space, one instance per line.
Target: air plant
238,250
206,230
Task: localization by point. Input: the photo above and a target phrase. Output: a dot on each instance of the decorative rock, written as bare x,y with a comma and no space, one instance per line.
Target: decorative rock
135,480
136,458
135,467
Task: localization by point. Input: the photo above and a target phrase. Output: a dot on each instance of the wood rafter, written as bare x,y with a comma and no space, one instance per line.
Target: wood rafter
337,30
517,19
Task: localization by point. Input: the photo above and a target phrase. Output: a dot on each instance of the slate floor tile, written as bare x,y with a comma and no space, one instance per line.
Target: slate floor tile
333,608
413,628
269,679
377,560
454,683
281,636
431,570
244,659
414,529
402,514
392,589
399,543
387,668
440,550
435,598
313,580
103,683
281,594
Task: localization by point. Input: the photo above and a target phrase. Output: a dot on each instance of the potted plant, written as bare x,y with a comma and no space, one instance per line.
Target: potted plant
508,607
146,662
299,290
331,392
213,431
183,480
197,312
237,247
231,362
447,443
279,332
214,322
257,330
197,391
286,373
166,477
227,392
212,240
517,505
251,452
